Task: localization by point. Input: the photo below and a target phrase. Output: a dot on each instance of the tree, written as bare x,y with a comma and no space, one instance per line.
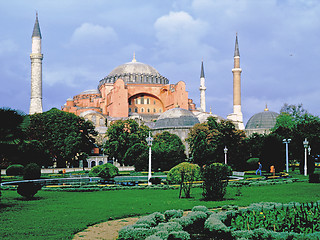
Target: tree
122,135
105,171
184,174
207,141
12,124
167,151
296,123
63,135
137,156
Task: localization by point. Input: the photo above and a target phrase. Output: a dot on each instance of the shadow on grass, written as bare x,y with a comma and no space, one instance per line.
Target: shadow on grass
5,205
28,199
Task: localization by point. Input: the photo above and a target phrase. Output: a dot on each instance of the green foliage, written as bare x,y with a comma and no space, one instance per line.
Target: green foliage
295,217
105,171
314,178
122,135
137,156
191,171
207,141
171,214
63,135
28,189
167,151
12,124
184,174
31,171
215,177
15,170
252,163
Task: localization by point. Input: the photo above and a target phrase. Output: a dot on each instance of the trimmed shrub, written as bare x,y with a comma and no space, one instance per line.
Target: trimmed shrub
314,178
180,235
215,227
171,214
184,174
105,171
215,181
15,170
168,227
131,233
152,220
31,171
184,221
155,180
28,189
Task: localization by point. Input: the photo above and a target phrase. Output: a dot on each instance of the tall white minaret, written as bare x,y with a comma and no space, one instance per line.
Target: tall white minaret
202,90
237,116
36,70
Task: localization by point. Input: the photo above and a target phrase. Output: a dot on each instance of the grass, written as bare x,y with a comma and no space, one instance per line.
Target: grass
59,215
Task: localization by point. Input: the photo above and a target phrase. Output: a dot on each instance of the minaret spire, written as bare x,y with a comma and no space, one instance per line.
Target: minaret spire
237,116
202,89
36,70
236,48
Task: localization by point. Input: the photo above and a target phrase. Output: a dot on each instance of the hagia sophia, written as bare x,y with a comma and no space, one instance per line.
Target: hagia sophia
137,90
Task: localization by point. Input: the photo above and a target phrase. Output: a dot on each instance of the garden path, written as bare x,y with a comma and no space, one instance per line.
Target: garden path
106,230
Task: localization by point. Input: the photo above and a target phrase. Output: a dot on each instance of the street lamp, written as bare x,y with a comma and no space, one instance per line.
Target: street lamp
287,141
305,144
225,154
149,141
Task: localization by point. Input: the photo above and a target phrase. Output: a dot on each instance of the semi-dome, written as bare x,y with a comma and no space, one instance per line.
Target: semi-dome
90,91
135,72
176,117
262,120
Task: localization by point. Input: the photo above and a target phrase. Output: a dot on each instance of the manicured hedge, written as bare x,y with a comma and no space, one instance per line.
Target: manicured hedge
209,225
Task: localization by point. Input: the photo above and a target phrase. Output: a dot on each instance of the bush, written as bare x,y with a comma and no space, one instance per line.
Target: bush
15,170
155,180
185,174
215,177
252,163
31,171
171,214
104,171
28,189
314,178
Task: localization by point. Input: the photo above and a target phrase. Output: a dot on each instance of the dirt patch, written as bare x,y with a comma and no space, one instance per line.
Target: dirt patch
106,230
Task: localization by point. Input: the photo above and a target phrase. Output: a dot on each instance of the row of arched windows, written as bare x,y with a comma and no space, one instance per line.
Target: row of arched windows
142,110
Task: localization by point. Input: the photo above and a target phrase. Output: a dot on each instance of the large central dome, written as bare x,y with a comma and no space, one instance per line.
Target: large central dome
135,72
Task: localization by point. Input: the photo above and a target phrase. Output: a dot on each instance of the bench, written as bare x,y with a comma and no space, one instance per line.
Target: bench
237,175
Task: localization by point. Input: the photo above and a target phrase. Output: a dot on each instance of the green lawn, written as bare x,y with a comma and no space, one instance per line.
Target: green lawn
59,215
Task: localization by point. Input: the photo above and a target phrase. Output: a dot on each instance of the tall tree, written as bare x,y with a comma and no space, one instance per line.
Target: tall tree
122,135
12,124
208,140
63,135
167,151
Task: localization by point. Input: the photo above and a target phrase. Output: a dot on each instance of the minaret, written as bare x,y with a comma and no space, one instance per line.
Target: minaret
36,70
202,90
237,116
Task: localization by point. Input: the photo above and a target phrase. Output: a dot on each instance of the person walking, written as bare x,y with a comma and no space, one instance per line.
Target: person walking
259,169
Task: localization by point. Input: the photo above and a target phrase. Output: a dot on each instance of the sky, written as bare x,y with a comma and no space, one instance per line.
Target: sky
84,40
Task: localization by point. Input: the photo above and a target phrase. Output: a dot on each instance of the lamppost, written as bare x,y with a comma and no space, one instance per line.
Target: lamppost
305,144
287,141
225,154
149,141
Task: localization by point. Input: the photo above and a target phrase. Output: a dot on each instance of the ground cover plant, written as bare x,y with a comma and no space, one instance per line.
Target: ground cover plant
294,217
59,215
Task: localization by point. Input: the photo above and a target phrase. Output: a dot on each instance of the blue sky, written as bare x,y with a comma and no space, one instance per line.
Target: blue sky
83,41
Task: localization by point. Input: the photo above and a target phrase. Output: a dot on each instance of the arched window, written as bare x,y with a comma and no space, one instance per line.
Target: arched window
136,110
142,110
148,100
154,110
148,110
129,109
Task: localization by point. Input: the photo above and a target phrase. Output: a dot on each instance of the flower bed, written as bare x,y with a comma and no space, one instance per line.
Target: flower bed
258,221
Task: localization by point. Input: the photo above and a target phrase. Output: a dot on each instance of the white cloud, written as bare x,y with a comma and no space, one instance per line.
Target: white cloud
179,32
91,34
